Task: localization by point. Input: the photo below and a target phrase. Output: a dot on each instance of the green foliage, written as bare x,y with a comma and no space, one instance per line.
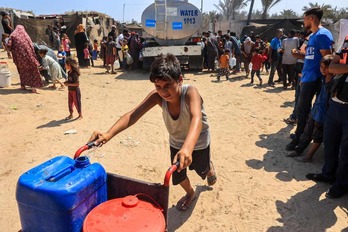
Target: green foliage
267,5
229,8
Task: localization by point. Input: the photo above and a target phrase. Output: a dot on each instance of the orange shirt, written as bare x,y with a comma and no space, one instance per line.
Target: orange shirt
224,59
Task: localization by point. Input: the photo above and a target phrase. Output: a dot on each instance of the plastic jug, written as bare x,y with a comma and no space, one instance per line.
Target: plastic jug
5,75
58,194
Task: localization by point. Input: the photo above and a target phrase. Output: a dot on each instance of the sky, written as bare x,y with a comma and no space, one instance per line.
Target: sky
127,10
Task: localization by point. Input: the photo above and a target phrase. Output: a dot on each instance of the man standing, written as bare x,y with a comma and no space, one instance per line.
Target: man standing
319,45
288,61
274,55
6,23
236,52
113,33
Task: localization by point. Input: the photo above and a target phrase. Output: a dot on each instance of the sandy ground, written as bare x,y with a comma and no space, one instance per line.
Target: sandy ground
258,188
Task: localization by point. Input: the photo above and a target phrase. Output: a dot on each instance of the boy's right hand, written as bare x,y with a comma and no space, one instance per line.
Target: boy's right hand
99,138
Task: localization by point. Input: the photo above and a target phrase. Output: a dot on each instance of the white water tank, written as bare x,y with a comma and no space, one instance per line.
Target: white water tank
171,22
5,75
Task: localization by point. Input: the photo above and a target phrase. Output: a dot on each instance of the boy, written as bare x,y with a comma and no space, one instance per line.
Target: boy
185,119
110,53
256,60
315,123
61,55
224,65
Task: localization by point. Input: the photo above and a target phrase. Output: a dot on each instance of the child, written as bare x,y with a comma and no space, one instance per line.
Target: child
66,46
95,50
61,55
74,96
124,50
315,124
185,119
86,54
90,50
3,41
102,53
53,66
224,65
256,60
265,62
5,37
110,53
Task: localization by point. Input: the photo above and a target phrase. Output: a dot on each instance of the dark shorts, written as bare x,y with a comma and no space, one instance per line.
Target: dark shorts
200,163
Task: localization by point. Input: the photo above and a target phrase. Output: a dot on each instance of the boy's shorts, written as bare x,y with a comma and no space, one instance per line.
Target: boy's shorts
200,163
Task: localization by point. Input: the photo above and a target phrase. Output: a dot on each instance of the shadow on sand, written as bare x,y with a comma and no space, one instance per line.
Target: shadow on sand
177,218
307,210
56,123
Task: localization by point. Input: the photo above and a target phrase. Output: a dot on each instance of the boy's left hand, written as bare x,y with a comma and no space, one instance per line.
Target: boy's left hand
185,159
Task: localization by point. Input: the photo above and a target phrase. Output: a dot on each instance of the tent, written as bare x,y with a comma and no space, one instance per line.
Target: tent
97,25
267,28
340,30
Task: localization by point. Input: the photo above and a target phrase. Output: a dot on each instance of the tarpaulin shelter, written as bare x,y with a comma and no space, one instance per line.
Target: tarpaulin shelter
266,28
97,25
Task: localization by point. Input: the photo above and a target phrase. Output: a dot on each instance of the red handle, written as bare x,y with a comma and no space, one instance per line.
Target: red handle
83,148
169,173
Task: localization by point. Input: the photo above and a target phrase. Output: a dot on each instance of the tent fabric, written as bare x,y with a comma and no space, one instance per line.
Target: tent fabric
267,28
96,27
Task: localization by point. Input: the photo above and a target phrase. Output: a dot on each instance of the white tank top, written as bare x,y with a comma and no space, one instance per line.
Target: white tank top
178,129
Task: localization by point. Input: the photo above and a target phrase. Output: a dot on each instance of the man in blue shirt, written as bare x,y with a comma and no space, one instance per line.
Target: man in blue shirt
236,52
319,45
276,44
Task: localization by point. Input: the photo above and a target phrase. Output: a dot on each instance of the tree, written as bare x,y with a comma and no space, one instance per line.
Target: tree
327,9
229,8
267,5
288,14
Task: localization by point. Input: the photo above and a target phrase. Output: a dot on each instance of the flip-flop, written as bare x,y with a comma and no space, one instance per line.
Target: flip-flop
213,178
185,202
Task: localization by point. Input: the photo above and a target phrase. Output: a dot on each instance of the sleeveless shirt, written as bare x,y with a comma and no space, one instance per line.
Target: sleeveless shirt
178,129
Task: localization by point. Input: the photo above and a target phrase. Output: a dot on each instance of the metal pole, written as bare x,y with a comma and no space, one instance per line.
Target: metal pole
250,12
124,5
201,18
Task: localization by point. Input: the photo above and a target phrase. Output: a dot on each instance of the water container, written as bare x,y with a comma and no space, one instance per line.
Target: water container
57,195
5,75
171,22
126,214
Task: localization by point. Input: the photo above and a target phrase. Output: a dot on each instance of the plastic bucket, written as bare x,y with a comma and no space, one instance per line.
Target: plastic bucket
5,75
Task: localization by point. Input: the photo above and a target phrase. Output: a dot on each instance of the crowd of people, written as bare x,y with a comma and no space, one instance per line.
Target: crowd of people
304,61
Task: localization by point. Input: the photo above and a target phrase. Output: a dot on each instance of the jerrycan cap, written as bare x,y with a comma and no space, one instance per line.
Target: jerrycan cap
82,162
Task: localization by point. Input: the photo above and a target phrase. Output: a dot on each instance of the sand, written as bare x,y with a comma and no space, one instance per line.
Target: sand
258,188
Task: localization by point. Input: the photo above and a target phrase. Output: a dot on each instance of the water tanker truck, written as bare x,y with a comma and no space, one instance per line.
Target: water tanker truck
171,25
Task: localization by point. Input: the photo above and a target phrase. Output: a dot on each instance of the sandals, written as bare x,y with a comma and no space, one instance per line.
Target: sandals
69,117
290,121
185,202
212,178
